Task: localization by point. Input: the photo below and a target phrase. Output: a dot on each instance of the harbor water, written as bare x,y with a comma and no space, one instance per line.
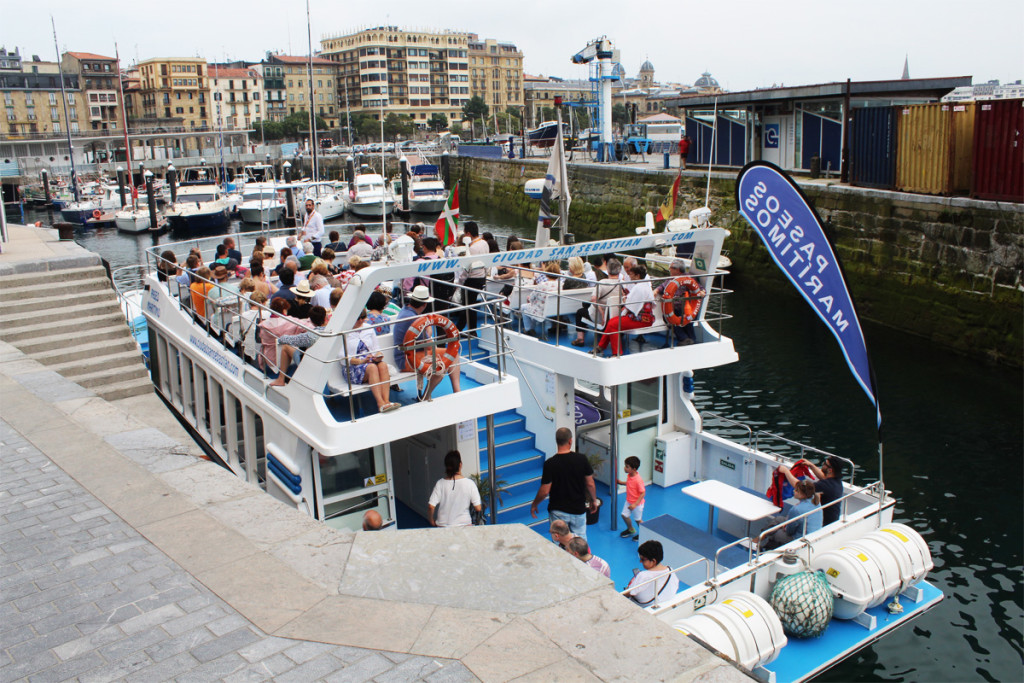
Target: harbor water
953,436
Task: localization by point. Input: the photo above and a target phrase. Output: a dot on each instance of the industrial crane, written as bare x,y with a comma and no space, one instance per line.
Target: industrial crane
606,55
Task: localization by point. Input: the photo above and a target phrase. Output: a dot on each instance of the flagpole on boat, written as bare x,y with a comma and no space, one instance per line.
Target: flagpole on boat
67,121
124,116
312,115
563,206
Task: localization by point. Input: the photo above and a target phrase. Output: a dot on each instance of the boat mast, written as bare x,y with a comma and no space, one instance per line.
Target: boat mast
124,116
67,121
312,115
384,182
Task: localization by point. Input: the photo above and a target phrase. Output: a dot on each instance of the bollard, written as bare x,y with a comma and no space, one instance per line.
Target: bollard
446,169
151,200
172,182
120,187
403,165
46,194
289,192
666,166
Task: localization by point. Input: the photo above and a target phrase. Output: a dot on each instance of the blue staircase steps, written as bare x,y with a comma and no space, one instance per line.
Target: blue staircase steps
518,463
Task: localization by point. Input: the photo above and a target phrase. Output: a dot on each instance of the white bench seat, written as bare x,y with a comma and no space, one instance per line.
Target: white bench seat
338,384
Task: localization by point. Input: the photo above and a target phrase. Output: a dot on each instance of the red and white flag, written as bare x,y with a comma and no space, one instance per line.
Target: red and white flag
447,225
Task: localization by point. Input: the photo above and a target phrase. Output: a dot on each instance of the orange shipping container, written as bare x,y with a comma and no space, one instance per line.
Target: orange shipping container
963,147
927,158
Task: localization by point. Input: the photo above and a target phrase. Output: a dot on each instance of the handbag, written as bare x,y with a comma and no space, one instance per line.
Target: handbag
646,316
479,518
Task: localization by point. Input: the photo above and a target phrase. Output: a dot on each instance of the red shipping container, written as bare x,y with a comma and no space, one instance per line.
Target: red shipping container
998,158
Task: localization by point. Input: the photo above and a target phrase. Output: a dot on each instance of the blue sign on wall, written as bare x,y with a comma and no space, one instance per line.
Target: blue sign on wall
771,136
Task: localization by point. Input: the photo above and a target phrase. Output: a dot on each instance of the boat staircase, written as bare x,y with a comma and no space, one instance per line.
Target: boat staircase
519,465
70,321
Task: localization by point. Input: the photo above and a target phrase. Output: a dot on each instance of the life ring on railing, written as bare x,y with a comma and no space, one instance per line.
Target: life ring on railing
690,306
424,359
97,214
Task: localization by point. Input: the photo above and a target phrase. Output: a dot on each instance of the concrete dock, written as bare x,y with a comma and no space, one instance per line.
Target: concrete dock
126,555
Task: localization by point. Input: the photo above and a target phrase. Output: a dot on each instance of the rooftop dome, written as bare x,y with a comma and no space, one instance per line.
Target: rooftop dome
706,80
647,66
618,71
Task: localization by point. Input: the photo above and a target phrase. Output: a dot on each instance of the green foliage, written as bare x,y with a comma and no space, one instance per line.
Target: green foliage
456,127
547,114
620,115
397,125
365,127
483,485
272,130
476,108
296,126
437,122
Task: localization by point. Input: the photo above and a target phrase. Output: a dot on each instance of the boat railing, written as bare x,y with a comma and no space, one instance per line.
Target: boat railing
756,548
728,420
537,298
699,560
129,283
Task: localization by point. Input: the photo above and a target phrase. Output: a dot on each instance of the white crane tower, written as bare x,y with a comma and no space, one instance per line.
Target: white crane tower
606,55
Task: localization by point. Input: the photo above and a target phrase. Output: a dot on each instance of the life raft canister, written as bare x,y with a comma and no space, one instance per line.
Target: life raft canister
429,361
690,305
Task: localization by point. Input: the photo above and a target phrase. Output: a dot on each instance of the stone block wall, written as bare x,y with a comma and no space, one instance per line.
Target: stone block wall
945,269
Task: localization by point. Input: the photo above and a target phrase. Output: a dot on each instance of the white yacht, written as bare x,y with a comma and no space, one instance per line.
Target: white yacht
260,205
320,444
371,197
132,220
427,193
329,198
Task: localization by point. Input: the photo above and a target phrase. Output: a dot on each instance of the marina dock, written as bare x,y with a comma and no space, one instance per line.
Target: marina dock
128,555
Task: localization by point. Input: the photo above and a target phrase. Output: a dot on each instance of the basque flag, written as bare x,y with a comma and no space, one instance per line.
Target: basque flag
447,224
792,230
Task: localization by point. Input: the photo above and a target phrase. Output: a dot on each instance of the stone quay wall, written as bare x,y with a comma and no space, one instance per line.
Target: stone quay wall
945,269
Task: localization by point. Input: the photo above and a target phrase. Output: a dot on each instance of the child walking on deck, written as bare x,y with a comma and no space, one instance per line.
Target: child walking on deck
633,508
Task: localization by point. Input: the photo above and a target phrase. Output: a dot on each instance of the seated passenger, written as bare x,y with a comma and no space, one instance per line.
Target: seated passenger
655,583
637,311
200,290
416,306
290,345
279,324
167,266
533,308
829,484
365,364
807,501
375,311
580,549
606,299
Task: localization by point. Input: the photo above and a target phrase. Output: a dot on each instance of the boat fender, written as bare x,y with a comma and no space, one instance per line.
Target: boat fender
803,603
39,224
690,305
97,214
430,361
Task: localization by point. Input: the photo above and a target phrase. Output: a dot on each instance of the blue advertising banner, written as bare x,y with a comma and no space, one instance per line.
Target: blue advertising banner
778,211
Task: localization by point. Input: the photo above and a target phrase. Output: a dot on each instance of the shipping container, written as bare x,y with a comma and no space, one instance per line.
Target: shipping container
998,158
924,153
873,147
962,130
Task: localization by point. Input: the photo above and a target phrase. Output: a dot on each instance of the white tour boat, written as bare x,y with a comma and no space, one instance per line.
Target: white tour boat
371,197
320,444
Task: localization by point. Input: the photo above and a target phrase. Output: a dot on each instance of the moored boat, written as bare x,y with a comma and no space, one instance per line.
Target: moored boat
371,198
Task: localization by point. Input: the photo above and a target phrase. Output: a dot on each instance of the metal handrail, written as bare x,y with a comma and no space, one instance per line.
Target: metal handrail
707,574
729,420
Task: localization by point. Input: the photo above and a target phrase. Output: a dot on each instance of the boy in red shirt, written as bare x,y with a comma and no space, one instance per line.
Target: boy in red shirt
633,508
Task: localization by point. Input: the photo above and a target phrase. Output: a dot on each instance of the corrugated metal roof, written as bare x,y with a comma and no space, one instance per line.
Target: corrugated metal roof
916,86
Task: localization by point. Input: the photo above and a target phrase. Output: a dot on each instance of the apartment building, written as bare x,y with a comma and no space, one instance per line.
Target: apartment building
31,94
286,81
496,73
237,95
408,72
97,76
176,88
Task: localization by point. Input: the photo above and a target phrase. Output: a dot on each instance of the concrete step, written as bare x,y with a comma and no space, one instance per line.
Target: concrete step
124,360
72,310
109,332
27,299
108,377
67,323
82,351
49,277
126,389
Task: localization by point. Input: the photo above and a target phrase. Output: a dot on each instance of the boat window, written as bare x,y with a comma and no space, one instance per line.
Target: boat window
346,472
217,427
259,450
353,483
639,405
202,403
174,375
238,428
189,407
156,357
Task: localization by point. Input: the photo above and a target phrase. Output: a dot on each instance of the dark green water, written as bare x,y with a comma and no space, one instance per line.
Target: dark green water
954,439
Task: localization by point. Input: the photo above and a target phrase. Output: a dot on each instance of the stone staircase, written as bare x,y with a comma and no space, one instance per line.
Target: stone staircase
70,321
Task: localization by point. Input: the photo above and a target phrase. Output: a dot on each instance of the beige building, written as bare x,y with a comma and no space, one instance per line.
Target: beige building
237,96
539,95
97,76
31,97
496,73
412,73
286,82
176,88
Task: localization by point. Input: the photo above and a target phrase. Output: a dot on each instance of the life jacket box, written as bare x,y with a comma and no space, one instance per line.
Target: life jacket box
673,459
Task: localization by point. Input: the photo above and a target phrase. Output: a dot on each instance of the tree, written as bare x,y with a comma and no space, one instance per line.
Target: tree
395,125
547,114
437,122
620,115
456,127
365,127
582,117
476,108
296,125
272,130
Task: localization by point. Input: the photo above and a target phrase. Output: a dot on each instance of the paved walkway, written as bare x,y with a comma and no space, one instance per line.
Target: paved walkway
86,596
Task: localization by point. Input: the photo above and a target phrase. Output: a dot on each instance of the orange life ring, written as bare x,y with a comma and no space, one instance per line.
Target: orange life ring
690,306
429,361
97,214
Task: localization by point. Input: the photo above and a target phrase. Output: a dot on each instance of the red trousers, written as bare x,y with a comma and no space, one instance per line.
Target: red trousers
611,331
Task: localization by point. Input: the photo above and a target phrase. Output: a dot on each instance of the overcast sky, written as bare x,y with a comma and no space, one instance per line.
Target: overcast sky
744,44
